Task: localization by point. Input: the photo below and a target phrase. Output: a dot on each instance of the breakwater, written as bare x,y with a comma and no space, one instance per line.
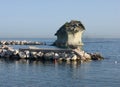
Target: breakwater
17,42
47,54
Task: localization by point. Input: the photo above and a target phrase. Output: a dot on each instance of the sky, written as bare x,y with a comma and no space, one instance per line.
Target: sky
42,18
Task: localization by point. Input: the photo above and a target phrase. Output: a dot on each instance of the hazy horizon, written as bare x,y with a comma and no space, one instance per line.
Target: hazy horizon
41,19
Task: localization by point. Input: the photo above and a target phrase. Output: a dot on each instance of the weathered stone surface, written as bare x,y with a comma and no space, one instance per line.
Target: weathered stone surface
70,35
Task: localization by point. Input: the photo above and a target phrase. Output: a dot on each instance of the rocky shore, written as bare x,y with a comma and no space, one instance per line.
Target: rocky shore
61,55
17,42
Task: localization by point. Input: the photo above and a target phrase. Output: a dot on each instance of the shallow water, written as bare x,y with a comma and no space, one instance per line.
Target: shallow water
104,73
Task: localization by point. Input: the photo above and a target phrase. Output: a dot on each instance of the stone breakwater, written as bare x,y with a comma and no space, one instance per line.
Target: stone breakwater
47,54
24,42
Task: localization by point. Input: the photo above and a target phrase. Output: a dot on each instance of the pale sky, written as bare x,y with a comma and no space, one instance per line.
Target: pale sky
42,18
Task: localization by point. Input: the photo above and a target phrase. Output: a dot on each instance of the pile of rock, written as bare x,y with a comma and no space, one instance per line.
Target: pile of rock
8,52
49,56
17,42
74,55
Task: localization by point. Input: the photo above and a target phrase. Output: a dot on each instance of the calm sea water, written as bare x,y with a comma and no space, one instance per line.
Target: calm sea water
105,73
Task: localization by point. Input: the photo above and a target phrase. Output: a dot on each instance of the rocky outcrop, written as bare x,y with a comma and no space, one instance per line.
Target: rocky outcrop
70,35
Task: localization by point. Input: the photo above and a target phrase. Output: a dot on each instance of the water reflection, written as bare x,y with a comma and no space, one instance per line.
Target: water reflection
54,72
72,64
39,73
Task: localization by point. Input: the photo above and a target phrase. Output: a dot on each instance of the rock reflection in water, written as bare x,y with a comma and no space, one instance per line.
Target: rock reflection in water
35,62
39,73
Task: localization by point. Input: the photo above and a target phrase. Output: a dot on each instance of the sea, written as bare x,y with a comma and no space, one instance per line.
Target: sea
102,73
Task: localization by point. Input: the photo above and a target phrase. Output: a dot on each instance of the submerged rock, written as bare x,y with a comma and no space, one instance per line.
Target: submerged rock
96,56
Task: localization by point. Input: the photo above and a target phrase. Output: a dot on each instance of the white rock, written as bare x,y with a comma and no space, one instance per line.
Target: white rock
87,56
22,55
34,53
68,59
74,57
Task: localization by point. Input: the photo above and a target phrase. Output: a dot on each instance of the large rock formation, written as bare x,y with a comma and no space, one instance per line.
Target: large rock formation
70,35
